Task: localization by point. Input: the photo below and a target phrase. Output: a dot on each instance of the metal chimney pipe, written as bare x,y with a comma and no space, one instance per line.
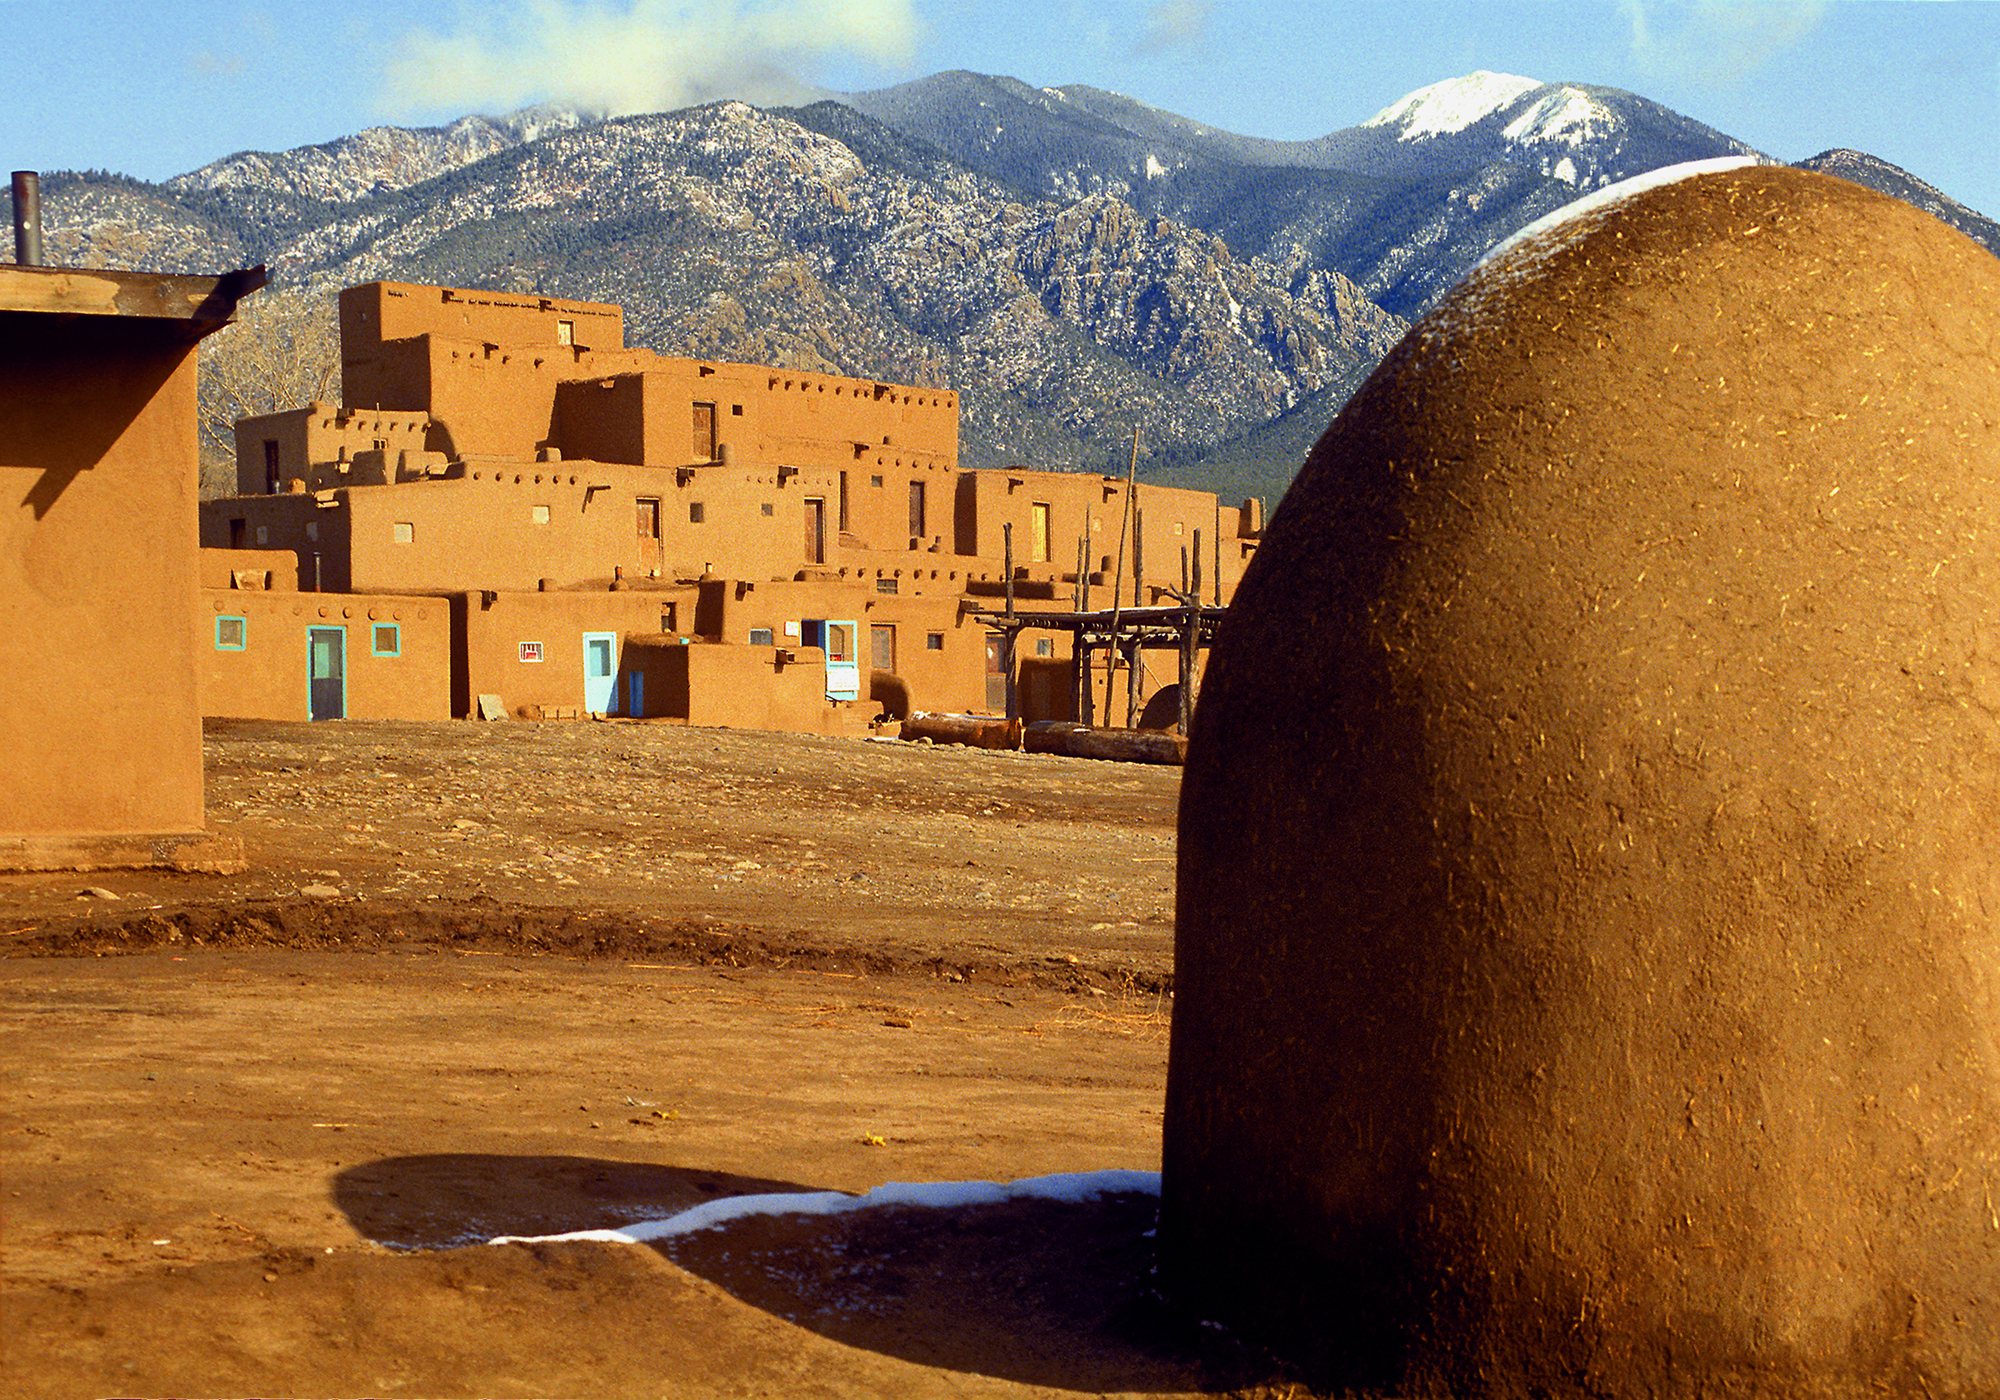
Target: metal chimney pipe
27,218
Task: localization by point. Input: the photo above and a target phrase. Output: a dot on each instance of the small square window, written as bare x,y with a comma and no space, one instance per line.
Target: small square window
1044,647
404,532
885,585
539,514
312,529
232,633
762,637
874,481
696,513
736,410
934,641
767,508
387,638
263,534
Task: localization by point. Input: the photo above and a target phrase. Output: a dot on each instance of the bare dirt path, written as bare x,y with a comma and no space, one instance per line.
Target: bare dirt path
519,979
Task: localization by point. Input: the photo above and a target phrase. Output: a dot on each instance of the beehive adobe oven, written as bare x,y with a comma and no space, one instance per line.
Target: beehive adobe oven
1587,970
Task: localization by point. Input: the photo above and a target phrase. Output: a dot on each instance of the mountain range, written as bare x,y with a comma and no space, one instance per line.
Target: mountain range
1081,267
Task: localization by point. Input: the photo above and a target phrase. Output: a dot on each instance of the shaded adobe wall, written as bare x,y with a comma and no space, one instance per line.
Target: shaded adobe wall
1587,970
97,575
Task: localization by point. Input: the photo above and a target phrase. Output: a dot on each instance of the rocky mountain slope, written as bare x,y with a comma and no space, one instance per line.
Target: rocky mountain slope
1075,263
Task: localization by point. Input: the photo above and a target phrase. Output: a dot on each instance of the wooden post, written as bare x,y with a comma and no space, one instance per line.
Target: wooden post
1191,638
1133,652
1138,557
1125,519
1218,551
1007,644
1079,657
1011,634
1007,562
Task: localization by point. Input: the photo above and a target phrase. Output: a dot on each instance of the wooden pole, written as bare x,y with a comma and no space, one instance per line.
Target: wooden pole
1138,553
1133,661
1007,562
1079,691
1218,551
1013,633
1191,638
1125,515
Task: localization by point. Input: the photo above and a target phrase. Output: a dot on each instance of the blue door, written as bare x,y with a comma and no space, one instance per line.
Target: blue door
326,672
600,671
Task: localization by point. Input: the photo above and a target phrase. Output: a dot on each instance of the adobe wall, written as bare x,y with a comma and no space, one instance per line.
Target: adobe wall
258,668
312,529
326,446
260,570
1079,505
528,648
742,687
285,435
884,512
378,312
678,412
376,316
938,651
98,715
510,526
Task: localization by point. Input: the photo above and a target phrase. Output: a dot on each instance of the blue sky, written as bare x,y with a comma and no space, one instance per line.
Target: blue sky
154,89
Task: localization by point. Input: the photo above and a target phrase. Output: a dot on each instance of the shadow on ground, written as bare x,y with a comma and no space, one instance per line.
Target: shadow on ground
443,1200
1042,1292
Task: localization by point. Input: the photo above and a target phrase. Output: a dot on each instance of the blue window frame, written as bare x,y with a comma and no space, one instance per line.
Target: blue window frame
385,638
232,633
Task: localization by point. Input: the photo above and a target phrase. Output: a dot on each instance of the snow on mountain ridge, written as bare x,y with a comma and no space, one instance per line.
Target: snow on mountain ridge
1568,115
1453,105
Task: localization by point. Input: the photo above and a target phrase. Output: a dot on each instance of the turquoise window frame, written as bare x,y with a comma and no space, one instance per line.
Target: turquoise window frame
221,645
375,630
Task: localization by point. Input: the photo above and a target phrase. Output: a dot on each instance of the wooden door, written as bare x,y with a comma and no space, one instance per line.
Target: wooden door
648,526
704,432
815,530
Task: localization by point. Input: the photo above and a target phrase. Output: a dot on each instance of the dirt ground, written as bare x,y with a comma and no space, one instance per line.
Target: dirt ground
523,979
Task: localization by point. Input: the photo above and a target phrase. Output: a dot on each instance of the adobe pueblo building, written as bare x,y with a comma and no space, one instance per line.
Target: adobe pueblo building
512,504
99,714
1588,954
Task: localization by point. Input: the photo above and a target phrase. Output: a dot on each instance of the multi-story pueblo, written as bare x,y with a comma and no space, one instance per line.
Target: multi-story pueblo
513,512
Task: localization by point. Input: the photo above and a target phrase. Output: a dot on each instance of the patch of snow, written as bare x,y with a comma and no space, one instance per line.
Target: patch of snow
1452,105
1073,1187
1567,114
1565,171
1598,201
1154,170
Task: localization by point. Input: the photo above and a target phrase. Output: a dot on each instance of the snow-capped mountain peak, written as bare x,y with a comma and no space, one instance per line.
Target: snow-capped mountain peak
1452,105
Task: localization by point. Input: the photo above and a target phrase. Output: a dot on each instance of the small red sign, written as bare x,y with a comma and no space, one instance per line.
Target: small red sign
531,651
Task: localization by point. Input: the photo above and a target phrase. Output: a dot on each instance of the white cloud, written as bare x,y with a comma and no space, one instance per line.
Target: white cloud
1715,41
1172,24
639,55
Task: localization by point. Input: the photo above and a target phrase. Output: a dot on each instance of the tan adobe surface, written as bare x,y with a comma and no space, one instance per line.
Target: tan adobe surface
98,712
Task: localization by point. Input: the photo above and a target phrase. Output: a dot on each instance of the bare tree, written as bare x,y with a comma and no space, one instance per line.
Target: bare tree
283,352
